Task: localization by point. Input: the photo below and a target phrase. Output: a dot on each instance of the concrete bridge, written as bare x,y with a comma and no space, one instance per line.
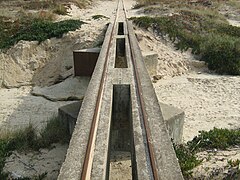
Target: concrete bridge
120,114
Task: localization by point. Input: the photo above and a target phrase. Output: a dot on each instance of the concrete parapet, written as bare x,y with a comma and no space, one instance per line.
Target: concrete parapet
72,167
151,62
165,157
68,115
174,119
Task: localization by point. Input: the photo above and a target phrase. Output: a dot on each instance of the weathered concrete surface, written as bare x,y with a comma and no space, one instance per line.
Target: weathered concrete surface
140,161
73,88
72,167
151,62
174,119
166,160
68,115
99,159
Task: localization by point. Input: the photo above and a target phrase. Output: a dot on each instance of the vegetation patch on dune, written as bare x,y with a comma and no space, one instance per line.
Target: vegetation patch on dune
33,29
206,32
52,4
27,139
219,139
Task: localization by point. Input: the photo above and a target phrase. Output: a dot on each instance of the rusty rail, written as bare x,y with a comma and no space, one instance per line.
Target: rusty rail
97,107
142,107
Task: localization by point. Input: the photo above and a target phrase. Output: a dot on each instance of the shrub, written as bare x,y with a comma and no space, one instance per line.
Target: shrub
40,30
216,138
95,17
206,140
206,33
222,53
187,160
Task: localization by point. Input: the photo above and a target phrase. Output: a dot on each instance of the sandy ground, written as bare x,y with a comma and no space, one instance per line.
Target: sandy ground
22,164
207,100
217,164
120,166
19,109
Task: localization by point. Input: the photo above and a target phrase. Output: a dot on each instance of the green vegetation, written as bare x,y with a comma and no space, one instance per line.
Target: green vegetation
52,4
33,29
206,32
27,139
214,139
187,160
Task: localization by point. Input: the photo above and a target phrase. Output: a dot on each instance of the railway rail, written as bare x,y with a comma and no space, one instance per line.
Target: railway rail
120,113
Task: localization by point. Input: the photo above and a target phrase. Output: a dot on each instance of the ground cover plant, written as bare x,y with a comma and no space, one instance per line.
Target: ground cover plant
203,30
219,139
27,139
52,4
33,29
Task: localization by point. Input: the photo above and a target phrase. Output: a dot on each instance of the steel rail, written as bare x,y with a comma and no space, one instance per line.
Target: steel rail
97,107
143,112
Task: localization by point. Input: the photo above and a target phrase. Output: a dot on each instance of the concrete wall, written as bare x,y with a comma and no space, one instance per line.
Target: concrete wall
151,62
174,119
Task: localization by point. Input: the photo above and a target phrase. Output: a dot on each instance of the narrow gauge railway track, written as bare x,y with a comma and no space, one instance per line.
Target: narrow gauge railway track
120,112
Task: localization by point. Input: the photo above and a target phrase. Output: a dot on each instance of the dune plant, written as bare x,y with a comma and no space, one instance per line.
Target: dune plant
206,33
27,139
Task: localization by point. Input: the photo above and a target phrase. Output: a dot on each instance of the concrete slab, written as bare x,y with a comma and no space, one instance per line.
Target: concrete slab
68,115
151,62
73,88
174,119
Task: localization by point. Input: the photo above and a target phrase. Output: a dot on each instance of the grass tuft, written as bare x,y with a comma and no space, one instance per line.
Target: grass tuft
27,139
